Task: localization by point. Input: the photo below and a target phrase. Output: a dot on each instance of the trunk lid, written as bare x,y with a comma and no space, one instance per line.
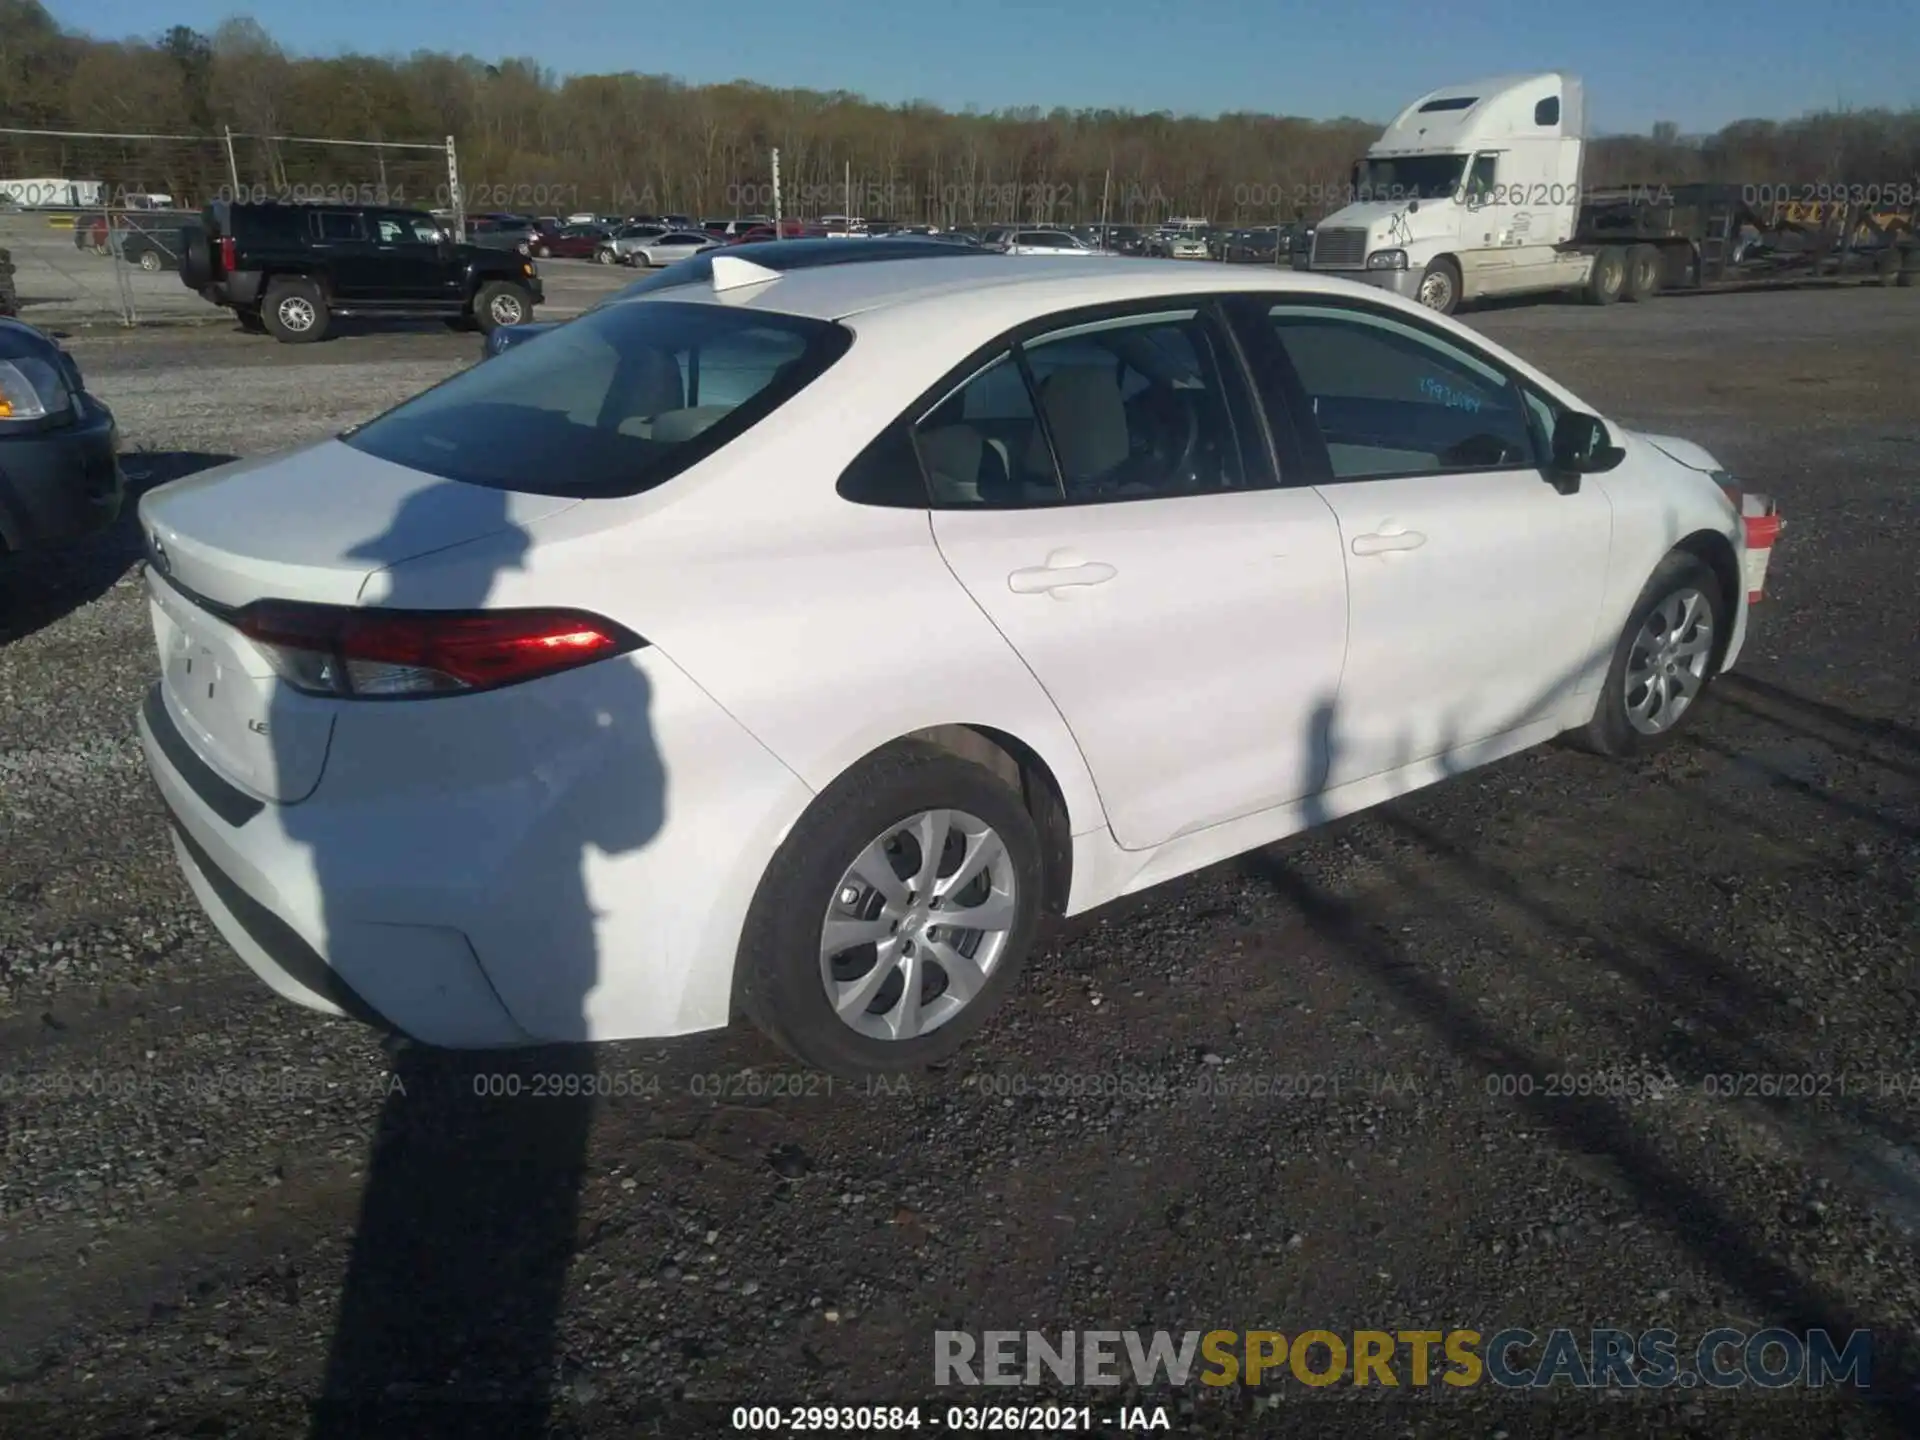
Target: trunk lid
313,525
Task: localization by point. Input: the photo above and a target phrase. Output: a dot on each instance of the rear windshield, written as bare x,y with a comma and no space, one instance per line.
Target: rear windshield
611,403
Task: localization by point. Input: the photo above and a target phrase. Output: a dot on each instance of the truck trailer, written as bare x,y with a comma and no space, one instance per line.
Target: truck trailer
1479,190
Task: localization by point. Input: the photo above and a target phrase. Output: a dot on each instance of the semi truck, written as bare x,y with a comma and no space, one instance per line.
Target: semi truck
1479,190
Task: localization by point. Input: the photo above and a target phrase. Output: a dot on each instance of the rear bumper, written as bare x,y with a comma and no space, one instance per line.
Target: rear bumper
240,289
497,870
61,484
424,981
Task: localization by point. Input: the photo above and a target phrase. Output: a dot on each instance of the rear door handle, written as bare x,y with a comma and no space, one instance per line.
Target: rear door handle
1063,570
1387,541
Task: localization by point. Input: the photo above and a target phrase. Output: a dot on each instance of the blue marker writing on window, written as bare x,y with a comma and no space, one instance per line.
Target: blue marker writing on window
1448,396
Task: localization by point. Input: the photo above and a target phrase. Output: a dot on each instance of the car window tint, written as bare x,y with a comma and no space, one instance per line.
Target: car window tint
337,225
611,403
970,445
1388,399
1133,408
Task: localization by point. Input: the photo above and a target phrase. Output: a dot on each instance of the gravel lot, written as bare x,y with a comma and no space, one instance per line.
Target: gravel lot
187,1161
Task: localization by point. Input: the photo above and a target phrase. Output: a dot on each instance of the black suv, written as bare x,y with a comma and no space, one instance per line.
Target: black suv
291,269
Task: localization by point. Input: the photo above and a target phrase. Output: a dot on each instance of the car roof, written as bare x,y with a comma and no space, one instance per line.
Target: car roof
789,255
1019,287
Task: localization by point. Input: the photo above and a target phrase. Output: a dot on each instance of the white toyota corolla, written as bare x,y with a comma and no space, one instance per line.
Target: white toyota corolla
787,642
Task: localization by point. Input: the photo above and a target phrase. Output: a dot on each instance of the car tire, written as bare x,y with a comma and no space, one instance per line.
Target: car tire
1441,279
1635,672
819,875
1645,268
605,255
1609,276
541,252
295,312
501,302
150,262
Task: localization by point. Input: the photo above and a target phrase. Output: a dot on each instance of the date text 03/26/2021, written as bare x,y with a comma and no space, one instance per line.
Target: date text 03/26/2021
950,1419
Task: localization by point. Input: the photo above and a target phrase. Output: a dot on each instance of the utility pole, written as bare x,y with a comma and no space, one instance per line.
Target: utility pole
778,233
233,168
1106,188
454,201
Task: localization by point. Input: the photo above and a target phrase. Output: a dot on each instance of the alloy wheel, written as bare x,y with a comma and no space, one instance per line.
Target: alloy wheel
917,924
1667,665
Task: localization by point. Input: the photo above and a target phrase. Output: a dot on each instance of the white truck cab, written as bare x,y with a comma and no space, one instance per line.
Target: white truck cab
1474,190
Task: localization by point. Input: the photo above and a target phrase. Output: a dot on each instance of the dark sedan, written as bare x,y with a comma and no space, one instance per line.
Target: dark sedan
59,449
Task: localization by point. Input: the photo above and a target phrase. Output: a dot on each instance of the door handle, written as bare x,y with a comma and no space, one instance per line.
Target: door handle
1387,541
1063,570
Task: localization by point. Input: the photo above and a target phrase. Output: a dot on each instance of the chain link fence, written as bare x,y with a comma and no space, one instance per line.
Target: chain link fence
95,223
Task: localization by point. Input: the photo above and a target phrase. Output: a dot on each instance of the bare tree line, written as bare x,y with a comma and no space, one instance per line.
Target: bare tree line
532,141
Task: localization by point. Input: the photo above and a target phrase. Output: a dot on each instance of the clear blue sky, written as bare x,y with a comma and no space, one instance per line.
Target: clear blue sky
1701,63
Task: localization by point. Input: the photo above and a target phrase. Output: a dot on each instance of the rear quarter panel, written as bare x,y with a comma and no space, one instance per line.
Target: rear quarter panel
814,621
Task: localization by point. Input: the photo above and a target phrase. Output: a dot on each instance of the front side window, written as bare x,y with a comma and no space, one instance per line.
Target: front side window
1389,399
406,230
1129,408
612,403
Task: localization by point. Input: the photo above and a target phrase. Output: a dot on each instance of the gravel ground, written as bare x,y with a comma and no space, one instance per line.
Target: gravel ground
188,1161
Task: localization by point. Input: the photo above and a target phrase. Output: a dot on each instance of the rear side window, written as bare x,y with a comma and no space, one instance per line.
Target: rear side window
1137,407
612,403
338,225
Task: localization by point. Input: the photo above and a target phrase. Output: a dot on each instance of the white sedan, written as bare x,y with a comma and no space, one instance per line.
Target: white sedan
1048,242
789,643
666,248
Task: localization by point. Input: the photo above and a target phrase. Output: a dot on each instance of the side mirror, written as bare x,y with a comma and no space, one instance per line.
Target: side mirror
1581,446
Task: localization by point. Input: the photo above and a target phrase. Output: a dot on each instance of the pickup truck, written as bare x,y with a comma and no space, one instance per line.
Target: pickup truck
291,270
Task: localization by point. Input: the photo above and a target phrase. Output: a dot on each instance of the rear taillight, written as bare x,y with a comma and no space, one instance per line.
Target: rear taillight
406,654
228,254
